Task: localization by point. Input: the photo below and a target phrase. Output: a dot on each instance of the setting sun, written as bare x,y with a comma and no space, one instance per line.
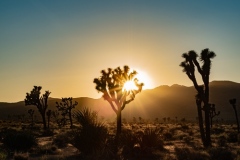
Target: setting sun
129,85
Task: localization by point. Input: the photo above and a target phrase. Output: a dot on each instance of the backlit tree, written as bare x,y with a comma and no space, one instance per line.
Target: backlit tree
40,101
111,83
65,107
202,97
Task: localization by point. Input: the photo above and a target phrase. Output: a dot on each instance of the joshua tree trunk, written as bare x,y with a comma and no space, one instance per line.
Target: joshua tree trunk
233,103
44,120
200,120
119,122
207,126
207,113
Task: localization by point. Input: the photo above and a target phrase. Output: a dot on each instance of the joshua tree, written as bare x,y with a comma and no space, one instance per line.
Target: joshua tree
233,103
31,113
66,107
49,113
202,97
111,84
212,113
34,98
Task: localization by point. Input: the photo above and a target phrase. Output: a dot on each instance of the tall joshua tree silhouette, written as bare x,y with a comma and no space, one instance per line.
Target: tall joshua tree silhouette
34,98
66,107
233,103
111,84
202,97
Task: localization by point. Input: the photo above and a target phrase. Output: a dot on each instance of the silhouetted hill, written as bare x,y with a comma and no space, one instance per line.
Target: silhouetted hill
163,101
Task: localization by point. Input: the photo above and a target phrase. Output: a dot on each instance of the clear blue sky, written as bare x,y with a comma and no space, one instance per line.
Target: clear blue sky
62,45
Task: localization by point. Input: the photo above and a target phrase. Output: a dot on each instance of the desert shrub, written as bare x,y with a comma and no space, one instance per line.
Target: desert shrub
232,137
151,139
187,139
128,139
190,154
62,139
167,136
217,131
185,127
220,154
190,133
47,132
109,149
222,141
180,136
47,149
173,130
19,140
142,144
86,117
91,137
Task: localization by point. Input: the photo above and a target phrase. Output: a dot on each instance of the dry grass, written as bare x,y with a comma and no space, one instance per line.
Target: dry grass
179,141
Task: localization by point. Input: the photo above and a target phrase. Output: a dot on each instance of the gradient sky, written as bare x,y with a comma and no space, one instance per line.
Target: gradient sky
62,45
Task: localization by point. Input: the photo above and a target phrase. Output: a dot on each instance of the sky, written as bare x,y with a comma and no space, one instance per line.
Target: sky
63,45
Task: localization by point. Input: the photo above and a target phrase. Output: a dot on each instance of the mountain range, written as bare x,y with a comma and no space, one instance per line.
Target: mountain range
163,101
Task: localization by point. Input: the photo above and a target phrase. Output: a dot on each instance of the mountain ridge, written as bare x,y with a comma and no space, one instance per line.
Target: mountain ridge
163,101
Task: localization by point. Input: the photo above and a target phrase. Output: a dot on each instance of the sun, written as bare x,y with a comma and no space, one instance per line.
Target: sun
142,77
129,85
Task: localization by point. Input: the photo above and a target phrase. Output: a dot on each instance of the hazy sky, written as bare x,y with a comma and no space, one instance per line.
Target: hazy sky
62,45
